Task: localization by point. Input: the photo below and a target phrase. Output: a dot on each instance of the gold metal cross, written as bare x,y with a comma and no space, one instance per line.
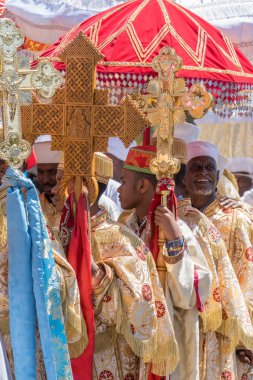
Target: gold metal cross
166,103
17,82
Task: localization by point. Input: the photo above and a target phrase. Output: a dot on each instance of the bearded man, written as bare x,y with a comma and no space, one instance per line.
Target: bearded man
225,307
234,224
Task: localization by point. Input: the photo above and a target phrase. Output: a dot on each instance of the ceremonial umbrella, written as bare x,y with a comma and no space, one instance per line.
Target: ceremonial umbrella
130,35
232,17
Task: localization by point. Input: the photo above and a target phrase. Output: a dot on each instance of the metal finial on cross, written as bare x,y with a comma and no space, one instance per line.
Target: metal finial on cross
166,103
17,82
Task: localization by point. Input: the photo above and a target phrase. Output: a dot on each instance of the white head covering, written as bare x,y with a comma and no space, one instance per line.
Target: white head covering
200,149
187,132
44,154
118,149
241,164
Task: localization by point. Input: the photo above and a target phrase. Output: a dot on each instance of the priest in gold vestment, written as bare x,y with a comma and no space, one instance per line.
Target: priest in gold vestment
235,228
188,278
133,331
224,320
70,302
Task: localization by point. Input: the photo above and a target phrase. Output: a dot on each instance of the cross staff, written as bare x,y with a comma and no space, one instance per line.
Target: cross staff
80,118
17,82
166,103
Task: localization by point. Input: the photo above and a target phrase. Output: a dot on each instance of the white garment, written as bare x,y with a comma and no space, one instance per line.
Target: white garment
248,197
5,372
112,193
110,206
184,313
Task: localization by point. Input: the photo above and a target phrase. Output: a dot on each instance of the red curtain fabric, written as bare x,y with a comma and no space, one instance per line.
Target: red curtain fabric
78,253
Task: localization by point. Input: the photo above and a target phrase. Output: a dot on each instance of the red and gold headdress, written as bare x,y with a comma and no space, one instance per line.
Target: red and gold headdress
139,158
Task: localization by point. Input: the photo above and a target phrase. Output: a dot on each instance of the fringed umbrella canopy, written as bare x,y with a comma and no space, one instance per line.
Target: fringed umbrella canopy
131,35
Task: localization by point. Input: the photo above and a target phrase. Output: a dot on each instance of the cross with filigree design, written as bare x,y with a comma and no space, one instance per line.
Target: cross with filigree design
80,118
165,104
17,82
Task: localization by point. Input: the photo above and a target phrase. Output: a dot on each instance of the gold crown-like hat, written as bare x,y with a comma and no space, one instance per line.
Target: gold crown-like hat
103,167
179,150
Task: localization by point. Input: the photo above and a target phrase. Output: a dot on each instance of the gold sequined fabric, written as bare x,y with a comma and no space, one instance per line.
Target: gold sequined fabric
132,321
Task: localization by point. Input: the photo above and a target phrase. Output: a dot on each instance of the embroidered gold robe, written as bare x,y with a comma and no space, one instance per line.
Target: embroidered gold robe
75,328
133,327
181,297
225,321
235,227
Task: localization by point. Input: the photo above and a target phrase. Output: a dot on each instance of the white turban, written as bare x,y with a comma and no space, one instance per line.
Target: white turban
187,132
200,149
44,154
241,164
118,149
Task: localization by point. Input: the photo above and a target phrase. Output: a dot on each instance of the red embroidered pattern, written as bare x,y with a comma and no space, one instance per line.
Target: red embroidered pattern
226,375
214,234
249,254
106,298
160,309
129,376
106,375
132,328
224,315
141,254
146,292
216,295
244,377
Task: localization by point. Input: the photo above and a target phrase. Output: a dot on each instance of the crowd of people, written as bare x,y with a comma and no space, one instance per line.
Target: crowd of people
194,325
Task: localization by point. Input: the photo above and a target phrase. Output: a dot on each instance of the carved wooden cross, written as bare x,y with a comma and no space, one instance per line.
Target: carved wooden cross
79,119
17,82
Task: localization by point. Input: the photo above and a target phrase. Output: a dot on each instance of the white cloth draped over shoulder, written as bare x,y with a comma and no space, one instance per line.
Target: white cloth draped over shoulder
5,372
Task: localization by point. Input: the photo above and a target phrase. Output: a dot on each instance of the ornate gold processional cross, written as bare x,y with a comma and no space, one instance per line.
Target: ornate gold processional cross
166,103
17,82
79,118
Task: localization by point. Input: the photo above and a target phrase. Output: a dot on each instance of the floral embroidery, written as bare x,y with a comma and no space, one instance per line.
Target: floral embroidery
244,377
216,295
249,254
106,298
160,309
224,315
141,253
129,376
147,292
226,375
214,234
106,375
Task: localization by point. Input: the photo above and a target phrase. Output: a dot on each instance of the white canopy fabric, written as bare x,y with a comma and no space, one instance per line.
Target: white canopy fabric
47,20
